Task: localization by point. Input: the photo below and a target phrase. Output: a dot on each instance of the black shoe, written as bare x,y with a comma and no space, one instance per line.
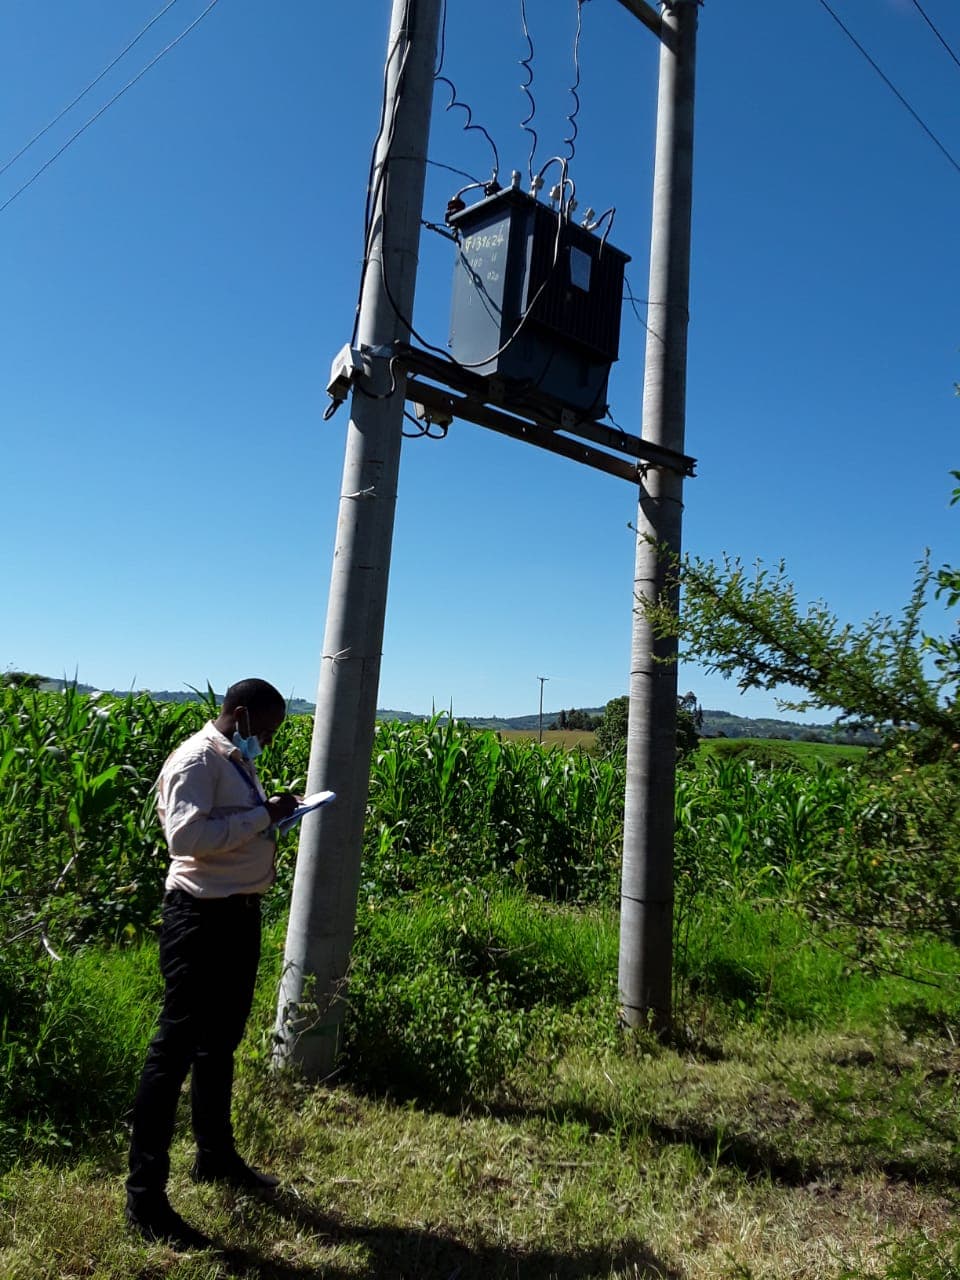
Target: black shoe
234,1171
157,1222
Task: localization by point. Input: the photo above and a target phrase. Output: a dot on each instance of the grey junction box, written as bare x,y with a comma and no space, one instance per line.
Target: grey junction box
536,303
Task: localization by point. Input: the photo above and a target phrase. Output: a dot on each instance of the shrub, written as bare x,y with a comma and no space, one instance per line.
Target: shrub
445,992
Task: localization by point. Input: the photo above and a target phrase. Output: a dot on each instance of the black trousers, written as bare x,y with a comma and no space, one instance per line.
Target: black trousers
209,952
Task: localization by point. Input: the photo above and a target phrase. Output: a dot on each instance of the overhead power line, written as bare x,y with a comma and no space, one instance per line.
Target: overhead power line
83,92
96,116
928,21
891,86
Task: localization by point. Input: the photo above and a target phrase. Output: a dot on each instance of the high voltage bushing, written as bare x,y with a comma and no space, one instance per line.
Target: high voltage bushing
536,302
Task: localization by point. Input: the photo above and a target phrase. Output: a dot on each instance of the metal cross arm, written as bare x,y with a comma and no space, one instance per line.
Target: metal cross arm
653,21
646,13
440,401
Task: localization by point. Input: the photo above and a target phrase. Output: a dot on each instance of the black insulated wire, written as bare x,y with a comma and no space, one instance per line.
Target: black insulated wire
462,173
375,178
442,42
571,141
891,86
423,429
107,105
929,22
630,296
455,102
527,64
83,92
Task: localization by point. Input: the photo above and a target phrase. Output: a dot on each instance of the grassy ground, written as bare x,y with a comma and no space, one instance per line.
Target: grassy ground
747,1150
672,1166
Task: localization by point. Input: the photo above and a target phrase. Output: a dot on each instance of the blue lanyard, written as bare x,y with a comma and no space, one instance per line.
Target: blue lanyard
257,801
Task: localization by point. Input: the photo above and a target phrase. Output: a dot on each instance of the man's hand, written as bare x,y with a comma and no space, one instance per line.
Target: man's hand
281,806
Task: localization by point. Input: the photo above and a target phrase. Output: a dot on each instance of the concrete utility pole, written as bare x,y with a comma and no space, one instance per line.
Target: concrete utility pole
646,912
324,902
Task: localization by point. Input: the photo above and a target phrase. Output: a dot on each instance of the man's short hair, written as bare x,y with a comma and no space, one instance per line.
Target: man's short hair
255,695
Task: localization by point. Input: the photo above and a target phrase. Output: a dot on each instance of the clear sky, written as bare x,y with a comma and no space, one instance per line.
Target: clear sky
177,282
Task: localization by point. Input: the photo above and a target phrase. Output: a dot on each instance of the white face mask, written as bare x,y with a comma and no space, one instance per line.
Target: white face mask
249,747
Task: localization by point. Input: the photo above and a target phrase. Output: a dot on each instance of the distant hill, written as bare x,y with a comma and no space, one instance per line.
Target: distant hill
716,724
724,724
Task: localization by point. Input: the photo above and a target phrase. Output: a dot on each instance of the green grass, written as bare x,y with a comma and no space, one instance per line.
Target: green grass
803,1122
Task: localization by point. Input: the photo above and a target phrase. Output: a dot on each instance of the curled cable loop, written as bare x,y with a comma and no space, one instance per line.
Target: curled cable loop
570,142
527,64
469,125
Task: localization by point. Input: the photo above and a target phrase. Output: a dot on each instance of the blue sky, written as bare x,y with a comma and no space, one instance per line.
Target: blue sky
177,282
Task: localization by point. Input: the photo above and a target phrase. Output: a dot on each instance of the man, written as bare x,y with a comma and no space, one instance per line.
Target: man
218,823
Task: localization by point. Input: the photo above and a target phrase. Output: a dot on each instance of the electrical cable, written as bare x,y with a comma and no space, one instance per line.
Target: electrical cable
565,181
527,62
440,231
423,429
441,55
455,102
572,117
891,86
375,176
633,300
923,15
382,395
437,164
83,92
610,213
96,116
442,42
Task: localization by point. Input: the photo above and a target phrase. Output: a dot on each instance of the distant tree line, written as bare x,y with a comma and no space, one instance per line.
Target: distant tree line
575,719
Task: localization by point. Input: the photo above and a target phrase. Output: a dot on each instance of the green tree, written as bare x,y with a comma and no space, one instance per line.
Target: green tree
611,729
611,733
689,724
748,624
21,679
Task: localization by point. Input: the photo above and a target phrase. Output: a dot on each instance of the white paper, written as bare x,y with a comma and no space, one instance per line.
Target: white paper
306,805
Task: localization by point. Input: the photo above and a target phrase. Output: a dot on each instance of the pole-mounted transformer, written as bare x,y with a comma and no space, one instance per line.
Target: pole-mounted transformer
536,304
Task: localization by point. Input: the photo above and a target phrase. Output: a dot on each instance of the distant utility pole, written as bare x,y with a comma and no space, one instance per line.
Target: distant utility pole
646,914
324,902
542,680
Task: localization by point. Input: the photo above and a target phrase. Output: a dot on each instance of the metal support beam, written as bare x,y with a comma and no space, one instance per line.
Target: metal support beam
436,398
484,401
545,437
